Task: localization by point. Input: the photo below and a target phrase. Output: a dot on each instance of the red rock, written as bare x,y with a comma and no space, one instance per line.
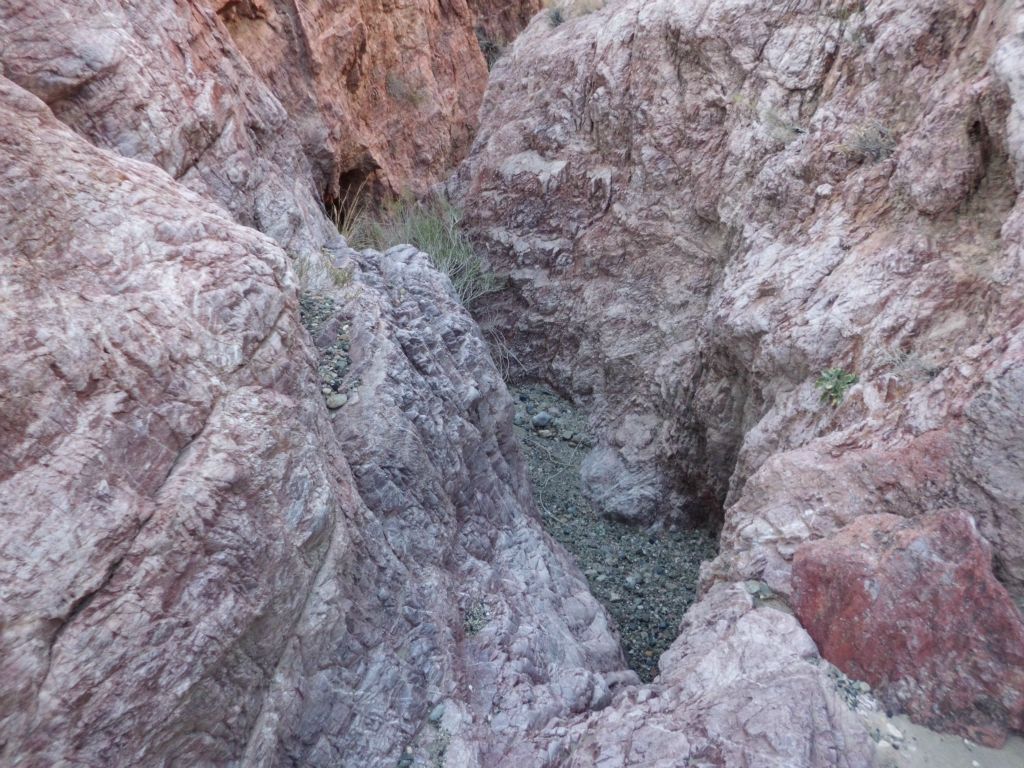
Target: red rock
913,608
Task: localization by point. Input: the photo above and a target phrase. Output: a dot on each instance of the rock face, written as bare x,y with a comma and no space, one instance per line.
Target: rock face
380,93
230,541
701,207
743,686
200,563
266,106
912,606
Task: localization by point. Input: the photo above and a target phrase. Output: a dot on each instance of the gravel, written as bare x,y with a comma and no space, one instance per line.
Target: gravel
645,578
318,314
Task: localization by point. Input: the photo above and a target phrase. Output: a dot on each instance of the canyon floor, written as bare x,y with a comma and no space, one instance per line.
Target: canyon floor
645,577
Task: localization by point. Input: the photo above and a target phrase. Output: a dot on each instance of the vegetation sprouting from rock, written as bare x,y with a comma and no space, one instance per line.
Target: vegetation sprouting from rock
833,383
870,143
432,224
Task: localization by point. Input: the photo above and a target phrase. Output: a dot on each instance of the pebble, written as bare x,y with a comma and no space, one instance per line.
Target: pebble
541,420
436,714
336,400
645,579
894,733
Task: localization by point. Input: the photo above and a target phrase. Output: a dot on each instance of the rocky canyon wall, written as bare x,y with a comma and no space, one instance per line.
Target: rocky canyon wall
201,564
247,524
702,207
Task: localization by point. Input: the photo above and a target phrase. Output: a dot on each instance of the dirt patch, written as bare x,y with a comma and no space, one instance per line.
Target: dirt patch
645,578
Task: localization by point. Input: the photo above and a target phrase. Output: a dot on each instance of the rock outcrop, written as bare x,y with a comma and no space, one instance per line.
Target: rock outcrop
379,93
912,607
702,207
743,685
200,562
244,524
268,107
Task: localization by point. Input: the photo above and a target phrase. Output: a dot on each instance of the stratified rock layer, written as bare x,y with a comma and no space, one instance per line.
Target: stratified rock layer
703,206
912,607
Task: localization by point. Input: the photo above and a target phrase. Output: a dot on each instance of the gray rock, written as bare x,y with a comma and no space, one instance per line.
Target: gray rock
541,420
336,400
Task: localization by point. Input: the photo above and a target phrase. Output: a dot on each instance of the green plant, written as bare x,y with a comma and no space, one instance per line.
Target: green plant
352,215
556,15
833,383
476,617
432,225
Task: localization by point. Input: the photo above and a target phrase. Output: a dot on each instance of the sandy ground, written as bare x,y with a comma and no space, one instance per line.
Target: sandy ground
924,748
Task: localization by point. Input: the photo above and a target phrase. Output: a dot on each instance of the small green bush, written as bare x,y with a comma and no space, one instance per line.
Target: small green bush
556,15
833,383
432,225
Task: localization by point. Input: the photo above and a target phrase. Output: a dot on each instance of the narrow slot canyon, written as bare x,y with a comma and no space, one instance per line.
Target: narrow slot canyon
521,384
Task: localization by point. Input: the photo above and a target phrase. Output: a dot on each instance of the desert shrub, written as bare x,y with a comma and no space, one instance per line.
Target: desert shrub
556,15
871,142
833,383
432,225
490,48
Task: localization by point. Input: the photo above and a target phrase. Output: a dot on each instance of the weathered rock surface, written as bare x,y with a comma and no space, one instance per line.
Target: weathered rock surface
166,501
702,206
266,106
742,686
912,607
199,563
374,88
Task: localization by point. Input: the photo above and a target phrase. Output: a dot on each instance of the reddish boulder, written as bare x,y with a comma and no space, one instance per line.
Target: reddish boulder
913,607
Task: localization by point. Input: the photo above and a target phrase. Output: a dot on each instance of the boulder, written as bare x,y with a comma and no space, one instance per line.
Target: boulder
742,686
913,608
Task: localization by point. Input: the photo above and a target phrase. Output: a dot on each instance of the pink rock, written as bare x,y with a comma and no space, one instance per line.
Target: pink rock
742,686
913,608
